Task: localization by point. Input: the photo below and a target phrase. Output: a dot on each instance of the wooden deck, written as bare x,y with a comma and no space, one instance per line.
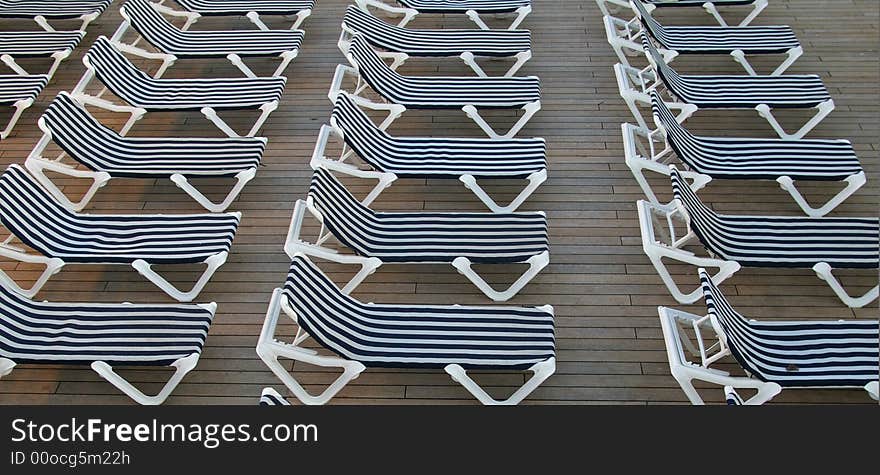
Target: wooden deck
605,291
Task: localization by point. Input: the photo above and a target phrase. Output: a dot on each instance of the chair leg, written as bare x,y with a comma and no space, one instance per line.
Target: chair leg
213,263
760,5
853,183
300,17
475,17
536,264
541,371
530,110
182,367
873,389
242,178
521,59
824,271
254,17
20,106
37,166
53,266
6,366
266,109
793,55
535,180
822,110
286,58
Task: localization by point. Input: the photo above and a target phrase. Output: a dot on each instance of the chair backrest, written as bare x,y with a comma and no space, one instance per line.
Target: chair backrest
150,23
379,33
115,70
360,133
680,139
373,70
666,74
345,217
649,24
79,134
703,221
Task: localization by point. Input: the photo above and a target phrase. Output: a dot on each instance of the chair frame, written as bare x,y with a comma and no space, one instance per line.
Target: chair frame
609,7
408,14
252,16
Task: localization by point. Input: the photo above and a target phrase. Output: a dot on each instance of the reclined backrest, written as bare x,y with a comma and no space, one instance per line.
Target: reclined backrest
350,222
704,222
679,138
374,71
150,23
361,133
115,70
666,74
651,25
78,133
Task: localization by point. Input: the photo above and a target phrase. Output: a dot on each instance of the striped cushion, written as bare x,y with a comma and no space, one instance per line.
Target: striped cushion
720,91
102,149
718,39
781,241
697,3
426,237
81,333
461,6
33,216
263,7
432,156
841,353
14,88
748,158
436,42
270,397
140,90
170,39
440,92
416,336
51,8
38,43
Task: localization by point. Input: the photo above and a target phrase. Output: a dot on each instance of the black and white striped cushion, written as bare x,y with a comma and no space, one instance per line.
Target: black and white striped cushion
381,34
81,333
33,216
731,91
140,90
461,6
271,398
841,353
38,43
441,92
696,3
51,8
416,336
14,88
781,241
749,158
718,39
102,149
418,157
426,237
195,44
241,7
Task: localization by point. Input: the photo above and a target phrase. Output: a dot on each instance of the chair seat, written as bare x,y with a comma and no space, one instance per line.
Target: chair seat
719,91
38,43
719,39
51,8
461,6
14,88
263,7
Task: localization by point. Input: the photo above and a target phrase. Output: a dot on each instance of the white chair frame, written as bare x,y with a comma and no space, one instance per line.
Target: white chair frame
254,17
609,7
408,14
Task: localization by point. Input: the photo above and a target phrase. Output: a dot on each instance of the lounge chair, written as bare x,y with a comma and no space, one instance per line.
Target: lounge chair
757,241
41,11
104,336
459,239
19,91
144,93
108,155
146,19
270,397
733,158
61,236
252,9
401,43
453,337
409,9
710,6
437,92
691,93
37,44
775,355
462,159
737,41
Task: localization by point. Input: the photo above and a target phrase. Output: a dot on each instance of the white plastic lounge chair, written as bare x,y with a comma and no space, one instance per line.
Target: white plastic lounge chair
41,11
437,92
61,236
460,239
464,159
775,355
20,92
252,9
710,6
737,41
691,92
270,397
37,44
145,93
108,155
757,241
472,8
734,158
453,337
146,19
104,336
401,43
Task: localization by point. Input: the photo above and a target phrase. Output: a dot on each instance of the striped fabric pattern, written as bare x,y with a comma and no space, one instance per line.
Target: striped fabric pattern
380,34
81,333
439,91
38,43
33,216
731,91
101,149
263,7
140,90
51,8
461,6
842,353
750,158
14,88
269,397
160,33
426,237
418,157
781,241
416,336
718,39
697,3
